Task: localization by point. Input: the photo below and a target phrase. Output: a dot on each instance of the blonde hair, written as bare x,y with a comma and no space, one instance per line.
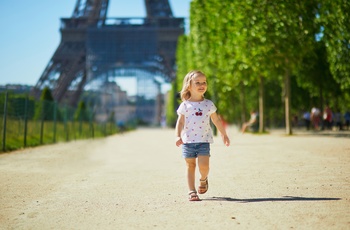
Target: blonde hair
185,91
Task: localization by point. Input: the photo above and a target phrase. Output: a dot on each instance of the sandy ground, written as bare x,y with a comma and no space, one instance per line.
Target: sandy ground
137,181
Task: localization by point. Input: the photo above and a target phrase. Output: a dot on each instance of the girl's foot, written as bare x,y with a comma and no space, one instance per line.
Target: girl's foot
193,196
203,187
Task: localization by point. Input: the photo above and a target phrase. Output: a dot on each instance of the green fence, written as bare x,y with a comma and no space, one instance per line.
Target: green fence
25,122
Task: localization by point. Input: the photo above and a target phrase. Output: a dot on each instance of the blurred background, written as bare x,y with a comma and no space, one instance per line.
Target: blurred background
80,69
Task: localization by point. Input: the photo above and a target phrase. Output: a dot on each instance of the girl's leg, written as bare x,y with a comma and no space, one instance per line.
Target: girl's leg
191,170
203,165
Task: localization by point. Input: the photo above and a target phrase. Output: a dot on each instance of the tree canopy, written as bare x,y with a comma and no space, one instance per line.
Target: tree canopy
277,52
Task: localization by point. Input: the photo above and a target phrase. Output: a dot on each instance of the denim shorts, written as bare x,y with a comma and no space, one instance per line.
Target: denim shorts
192,150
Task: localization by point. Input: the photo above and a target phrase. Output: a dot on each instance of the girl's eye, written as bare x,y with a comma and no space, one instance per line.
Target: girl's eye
200,83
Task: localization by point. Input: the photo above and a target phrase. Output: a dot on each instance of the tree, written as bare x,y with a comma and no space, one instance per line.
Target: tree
45,109
208,39
182,62
272,39
315,76
264,48
334,23
81,114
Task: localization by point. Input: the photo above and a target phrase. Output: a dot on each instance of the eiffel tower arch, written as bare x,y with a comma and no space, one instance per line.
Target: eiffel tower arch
94,50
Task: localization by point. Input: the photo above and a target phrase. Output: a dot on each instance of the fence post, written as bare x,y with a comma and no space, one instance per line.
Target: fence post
42,121
73,128
65,122
25,122
91,121
80,125
4,124
54,120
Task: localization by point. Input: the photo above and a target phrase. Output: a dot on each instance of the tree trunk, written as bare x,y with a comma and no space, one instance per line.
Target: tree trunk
214,99
287,102
321,96
261,105
242,96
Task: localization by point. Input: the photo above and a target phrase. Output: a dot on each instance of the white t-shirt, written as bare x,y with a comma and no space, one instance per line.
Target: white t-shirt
197,121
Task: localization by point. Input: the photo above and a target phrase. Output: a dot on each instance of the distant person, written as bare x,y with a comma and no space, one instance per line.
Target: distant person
338,120
252,121
193,130
307,119
347,120
315,117
121,126
327,118
163,121
295,121
224,122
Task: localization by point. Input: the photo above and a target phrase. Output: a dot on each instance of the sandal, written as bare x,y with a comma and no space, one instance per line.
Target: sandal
203,188
193,196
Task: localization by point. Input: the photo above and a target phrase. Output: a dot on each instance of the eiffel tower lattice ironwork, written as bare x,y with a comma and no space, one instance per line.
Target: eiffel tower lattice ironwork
92,45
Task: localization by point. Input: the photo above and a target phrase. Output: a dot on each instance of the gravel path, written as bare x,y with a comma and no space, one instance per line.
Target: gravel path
137,181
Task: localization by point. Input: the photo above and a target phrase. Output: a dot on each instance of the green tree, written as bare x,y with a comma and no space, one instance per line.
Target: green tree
81,114
264,49
281,33
315,77
173,96
334,23
45,107
208,41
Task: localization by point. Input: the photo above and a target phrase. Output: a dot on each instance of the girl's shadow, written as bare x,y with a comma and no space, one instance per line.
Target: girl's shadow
284,198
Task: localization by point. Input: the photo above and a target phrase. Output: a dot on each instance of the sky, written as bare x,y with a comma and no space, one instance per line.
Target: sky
30,32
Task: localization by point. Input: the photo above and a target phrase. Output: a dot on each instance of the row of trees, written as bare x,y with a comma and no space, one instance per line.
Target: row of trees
269,55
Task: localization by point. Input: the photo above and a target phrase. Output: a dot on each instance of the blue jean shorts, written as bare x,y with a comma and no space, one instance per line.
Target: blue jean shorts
192,150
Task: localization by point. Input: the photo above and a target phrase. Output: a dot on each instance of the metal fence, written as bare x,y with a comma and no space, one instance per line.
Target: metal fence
26,122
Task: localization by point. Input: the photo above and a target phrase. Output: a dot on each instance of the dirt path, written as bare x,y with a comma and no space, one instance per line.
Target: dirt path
137,181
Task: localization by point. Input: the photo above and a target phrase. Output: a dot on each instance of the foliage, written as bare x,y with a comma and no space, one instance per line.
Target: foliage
182,61
170,109
17,105
81,114
334,23
300,49
45,110
46,95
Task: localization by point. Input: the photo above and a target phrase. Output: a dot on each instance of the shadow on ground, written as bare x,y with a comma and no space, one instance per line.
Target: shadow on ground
325,133
284,198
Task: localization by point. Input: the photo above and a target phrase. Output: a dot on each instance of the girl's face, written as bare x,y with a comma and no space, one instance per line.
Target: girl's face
198,85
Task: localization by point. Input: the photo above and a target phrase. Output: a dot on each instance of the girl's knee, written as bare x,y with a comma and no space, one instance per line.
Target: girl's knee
204,167
191,163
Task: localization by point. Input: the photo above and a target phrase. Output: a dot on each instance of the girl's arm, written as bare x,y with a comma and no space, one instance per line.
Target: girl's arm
217,122
178,129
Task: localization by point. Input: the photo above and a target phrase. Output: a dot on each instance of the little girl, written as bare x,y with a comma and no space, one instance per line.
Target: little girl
193,130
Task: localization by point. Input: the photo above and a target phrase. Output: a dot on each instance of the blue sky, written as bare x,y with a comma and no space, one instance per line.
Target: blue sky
30,32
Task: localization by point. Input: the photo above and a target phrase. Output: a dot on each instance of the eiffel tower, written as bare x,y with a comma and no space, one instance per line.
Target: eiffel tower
94,48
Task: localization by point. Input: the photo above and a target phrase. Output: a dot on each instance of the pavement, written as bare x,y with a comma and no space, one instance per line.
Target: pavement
137,180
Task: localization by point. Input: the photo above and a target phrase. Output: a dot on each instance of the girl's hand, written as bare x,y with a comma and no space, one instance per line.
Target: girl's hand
178,141
226,140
